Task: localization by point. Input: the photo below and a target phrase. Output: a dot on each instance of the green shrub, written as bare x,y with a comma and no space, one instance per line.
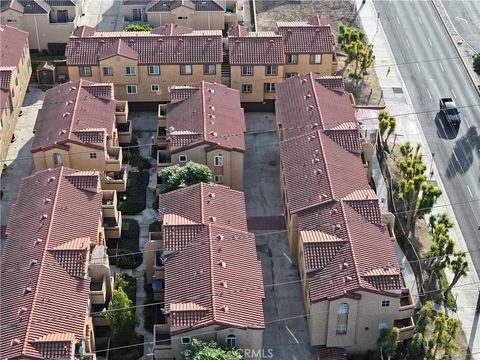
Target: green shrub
129,285
138,27
449,299
135,195
129,244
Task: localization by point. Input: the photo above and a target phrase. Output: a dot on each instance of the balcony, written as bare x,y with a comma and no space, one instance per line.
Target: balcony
115,180
121,112
109,204
158,287
124,132
98,292
406,327
162,348
152,246
164,159
113,161
407,305
162,115
98,316
113,226
162,137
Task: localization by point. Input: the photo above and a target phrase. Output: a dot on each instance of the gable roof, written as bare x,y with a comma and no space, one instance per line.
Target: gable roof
51,275
215,280
118,48
11,50
311,37
254,48
208,114
197,5
304,103
78,111
169,44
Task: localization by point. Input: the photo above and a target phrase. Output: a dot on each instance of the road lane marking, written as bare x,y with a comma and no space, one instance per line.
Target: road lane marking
458,67
430,42
406,41
470,191
441,67
418,67
291,262
466,121
293,336
453,92
398,20
420,20
428,92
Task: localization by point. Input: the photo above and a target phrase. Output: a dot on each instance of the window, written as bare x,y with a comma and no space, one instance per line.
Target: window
315,58
292,58
131,89
231,340
218,179
182,18
218,160
342,319
153,69
186,340
246,88
57,159
271,70
247,70
209,69
136,14
185,69
269,87
155,88
182,158
289,75
130,71
85,71
107,71
62,16
382,325
385,303
16,81
11,20
93,155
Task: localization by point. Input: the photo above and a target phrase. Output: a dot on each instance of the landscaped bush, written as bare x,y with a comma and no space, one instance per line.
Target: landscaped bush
135,158
129,244
136,194
138,27
129,285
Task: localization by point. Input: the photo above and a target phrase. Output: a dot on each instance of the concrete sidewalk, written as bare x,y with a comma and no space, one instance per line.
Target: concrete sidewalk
466,291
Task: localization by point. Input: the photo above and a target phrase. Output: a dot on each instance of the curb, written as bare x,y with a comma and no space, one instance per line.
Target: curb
465,65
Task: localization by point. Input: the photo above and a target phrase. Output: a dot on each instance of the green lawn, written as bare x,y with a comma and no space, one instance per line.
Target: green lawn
136,194
129,244
449,299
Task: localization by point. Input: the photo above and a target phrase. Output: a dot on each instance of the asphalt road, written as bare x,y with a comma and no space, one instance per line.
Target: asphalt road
431,69
465,16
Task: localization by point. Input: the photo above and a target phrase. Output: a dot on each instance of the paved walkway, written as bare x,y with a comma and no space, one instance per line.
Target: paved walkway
466,290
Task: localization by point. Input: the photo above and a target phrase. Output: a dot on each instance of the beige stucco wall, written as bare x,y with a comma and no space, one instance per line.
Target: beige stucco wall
203,20
41,30
257,80
327,67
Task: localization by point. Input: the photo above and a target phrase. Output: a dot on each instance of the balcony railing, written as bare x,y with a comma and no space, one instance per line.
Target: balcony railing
109,204
113,162
124,132
98,292
121,112
164,158
163,343
113,226
116,180
406,327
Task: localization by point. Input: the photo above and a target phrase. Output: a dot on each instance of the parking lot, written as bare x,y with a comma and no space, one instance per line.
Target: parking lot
286,333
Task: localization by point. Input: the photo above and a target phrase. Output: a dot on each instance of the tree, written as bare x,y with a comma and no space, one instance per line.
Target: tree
138,27
476,63
388,342
121,317
386,124
413,184
177,176
459,266
200,350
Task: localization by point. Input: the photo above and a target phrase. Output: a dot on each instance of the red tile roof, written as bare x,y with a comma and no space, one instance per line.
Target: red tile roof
255,48
74,112
215,280
303,104
118,48
307,37
85,47
210,115
11,50
47,284
171,29
5,77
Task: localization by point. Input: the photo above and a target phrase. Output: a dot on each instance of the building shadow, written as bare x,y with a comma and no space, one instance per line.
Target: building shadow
463,153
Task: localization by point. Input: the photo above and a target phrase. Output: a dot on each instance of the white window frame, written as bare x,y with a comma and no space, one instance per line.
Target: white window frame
218,160
11,20
57,159
341,329
385,303
292,59
186,340
207,67
271,70
269,87
133,87
231,340
109,71
382,325
154,67
184,67
290,74
244,71
93,155
82,71
218,179
130,71
184,156
314,58
152,88
246,91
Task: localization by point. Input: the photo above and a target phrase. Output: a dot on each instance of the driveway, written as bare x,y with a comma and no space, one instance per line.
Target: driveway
19,158
282,339
104,15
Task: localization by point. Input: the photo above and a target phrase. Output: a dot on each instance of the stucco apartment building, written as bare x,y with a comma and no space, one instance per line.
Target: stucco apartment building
204,266
63,273
351,279
204,123
81,126
144,65
196,14
15,71
46,21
